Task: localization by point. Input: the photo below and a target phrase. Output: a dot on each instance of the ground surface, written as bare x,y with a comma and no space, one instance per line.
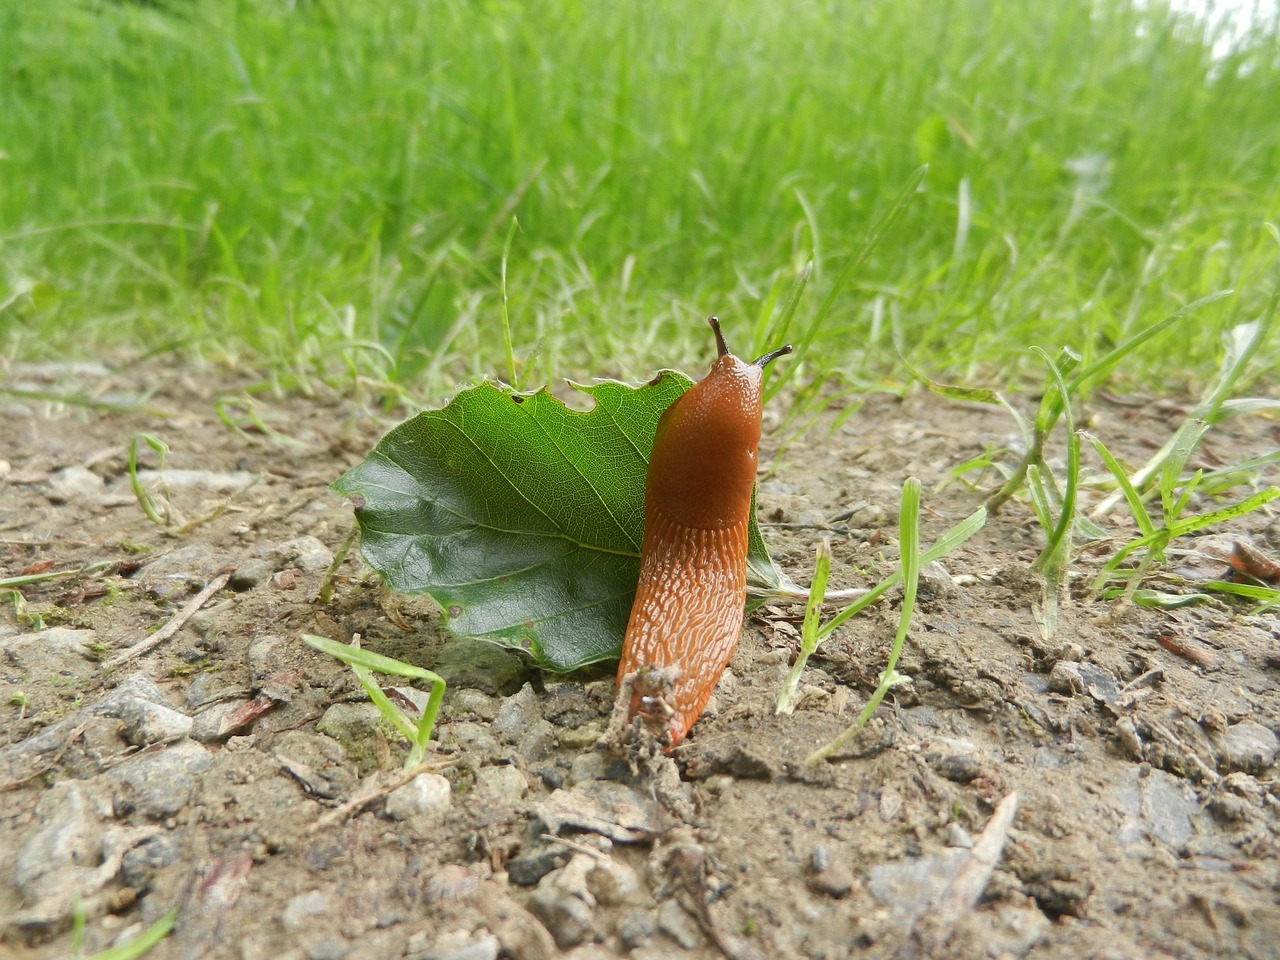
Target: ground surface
209,773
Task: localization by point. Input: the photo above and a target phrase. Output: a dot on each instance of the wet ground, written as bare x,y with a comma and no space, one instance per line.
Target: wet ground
232,773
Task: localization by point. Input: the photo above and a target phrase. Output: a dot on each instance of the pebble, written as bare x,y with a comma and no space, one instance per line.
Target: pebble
170,575
474,738
209,724
145,723
609,882
935,579
330,948
75,483
517,714
464,945
141,864
566,917
530,867
158,785
1248,747
675,922
473,703
266,656
483,666
637,930
306,553
249,574
1159,806
958,767
504,784
425,794
23,759
1065,678
587,766
300,910
827,877
49,651
350,722
67,832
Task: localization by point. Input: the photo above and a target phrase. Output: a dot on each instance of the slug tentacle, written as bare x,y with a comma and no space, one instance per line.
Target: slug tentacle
689,604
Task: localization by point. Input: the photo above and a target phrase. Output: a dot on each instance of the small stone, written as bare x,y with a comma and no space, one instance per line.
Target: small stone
1071,652
473,738
551,778
538,741
171,575
427,794
158,785
350,722
66,835
210,724
306,553
958,767
464,945
49,651
637,930
330,948
517,714
265,658
1065,678
146,723
611,883
566,917
141,864
530,867
1248,747
587,766
73,484
935,579
300,910
505,784
249,574
957,836
675,922
483,666
835,882
473,703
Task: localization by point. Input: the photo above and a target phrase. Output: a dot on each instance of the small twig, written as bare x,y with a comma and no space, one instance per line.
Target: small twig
578,847
962,894
358,802
173,626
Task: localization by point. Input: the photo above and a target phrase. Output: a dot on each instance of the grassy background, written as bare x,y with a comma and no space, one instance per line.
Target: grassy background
326,190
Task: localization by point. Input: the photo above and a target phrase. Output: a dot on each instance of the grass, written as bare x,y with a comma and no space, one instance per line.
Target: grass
328,194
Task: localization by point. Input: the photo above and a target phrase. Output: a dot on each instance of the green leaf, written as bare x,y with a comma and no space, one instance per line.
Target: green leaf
521,518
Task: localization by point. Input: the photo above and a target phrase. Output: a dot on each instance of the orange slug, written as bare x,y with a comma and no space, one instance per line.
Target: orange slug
688,609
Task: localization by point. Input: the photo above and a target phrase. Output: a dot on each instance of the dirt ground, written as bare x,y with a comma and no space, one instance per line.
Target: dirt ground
214,772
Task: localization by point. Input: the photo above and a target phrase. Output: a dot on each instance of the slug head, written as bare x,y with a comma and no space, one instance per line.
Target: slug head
703,464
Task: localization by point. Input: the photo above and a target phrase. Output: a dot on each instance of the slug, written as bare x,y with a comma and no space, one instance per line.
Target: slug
687,613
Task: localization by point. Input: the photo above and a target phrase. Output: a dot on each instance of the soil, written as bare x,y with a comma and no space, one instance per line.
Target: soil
213,773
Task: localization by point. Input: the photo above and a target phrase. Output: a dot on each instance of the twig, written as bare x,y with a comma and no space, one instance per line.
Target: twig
962,894
173,626
361,800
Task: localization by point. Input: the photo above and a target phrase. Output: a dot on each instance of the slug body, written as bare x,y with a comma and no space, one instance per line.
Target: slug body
688,608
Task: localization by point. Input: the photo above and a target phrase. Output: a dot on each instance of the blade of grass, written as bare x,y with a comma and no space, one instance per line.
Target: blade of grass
364,663
809,630
910,561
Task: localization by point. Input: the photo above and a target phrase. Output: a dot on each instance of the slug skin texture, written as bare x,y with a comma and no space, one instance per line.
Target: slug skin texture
687,614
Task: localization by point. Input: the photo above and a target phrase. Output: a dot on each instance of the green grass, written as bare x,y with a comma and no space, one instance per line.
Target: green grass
326,190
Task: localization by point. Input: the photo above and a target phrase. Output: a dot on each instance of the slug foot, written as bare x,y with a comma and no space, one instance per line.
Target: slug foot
642,711
639,731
